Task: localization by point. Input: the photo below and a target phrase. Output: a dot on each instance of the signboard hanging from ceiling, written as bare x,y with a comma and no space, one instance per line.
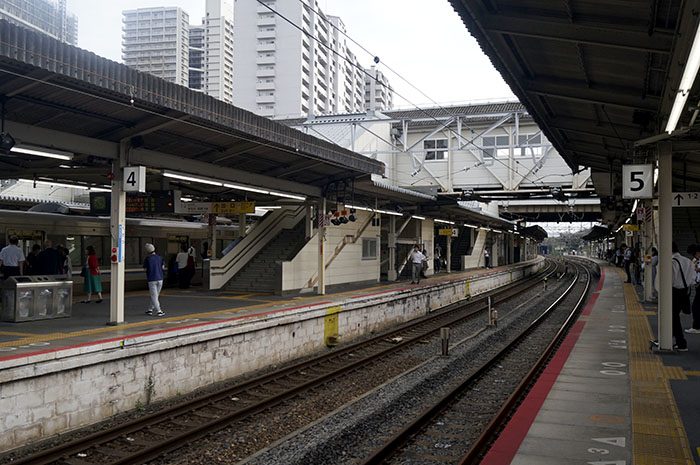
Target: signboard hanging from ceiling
638,181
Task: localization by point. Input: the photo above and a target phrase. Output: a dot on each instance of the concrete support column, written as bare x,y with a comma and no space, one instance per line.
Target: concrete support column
392,275
212,236
449,254
309,223
647,235
322,249
241,225
117,228
665,268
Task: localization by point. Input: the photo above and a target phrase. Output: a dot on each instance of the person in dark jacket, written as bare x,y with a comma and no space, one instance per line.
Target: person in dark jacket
32,262
50,260
153,264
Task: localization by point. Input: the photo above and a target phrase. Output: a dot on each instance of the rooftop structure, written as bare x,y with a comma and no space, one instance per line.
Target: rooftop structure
47,16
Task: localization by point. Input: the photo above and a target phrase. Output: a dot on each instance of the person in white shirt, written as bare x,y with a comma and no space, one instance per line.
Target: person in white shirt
416,260
11,259
694,251
683,277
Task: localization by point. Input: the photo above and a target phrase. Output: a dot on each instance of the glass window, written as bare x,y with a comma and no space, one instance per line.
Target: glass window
369,249
96,242
435,149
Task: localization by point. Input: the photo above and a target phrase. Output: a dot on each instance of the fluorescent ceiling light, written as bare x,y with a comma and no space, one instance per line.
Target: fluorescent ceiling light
42,152
386,212
185,199
634,205
54,184
245,188
287,196
183,177
418,217
445,221
473,226
687,80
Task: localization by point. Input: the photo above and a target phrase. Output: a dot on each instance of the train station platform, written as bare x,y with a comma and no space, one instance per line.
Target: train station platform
186,310
606,398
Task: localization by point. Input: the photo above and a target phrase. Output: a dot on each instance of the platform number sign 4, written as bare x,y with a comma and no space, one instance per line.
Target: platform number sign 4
135,179
637,181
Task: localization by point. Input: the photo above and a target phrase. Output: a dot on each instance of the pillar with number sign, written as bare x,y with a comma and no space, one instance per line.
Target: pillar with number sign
117,228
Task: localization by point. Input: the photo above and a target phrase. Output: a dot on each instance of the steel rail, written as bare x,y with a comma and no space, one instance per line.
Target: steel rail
67,453
424,418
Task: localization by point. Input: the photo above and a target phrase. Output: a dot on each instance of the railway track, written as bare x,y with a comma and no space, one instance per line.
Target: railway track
153,436
454,429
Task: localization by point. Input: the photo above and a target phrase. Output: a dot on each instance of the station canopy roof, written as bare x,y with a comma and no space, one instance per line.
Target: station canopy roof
596,75
596,233
536,232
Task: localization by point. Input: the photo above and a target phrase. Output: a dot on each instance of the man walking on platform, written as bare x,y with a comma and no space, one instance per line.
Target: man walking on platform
11,259
154,275
416,260
683,276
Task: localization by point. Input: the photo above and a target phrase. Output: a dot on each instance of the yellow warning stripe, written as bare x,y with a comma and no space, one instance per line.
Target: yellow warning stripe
658,434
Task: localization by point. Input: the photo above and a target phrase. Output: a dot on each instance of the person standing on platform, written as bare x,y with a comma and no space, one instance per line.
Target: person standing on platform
487,259
154,275
12,259
683,276
654,266
694,251
627,261
438,258
50,260
424,267
91,275
32,263
182,271
416,260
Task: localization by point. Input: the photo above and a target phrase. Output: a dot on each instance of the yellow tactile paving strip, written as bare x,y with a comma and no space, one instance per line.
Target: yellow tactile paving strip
658,435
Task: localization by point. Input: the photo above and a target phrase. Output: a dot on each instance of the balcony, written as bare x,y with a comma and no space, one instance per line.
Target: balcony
263,72
265,60
266,47
265,99
265,86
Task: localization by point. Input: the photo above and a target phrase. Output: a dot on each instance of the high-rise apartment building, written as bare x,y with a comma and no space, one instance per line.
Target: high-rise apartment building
161,41
156,41
47,16
379,95
282,71
211,51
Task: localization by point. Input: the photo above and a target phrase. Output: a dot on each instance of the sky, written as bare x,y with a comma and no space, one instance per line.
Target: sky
424,41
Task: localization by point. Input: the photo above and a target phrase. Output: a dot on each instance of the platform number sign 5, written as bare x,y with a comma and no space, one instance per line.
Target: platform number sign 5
637,181
135,179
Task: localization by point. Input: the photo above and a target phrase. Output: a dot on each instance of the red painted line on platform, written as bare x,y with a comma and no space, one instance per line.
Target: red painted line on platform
508,442
591,302
156,332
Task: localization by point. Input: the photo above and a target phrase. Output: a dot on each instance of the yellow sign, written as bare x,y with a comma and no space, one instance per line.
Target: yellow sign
232,208
26,234
448,232
630,227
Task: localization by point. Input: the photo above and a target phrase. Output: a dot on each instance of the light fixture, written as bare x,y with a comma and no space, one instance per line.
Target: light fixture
473,226
689,74
287,196
245,188
445,221
185,199
634,205
42,152
352,216
63,184
375,210
418,217
182,177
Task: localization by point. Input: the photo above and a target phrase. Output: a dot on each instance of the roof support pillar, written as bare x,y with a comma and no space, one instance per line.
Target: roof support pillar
321,248
392,275
665,239
117,228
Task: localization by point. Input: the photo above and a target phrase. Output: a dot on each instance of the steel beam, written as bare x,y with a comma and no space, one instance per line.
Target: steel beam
578,92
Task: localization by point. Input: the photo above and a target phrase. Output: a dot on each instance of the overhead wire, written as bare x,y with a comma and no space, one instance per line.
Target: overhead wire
335,52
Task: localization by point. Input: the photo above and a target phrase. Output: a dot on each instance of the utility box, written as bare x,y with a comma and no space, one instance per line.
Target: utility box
29,298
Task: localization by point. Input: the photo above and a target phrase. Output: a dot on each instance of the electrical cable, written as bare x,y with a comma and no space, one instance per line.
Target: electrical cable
335,52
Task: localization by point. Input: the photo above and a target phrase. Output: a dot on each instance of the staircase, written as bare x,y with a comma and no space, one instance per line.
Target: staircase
270,229
261,273
476,258
460,246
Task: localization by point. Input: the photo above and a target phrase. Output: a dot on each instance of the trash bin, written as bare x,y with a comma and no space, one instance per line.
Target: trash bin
28,298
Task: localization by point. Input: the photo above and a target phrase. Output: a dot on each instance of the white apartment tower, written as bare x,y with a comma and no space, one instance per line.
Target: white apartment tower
379,95
283,72
156,41
46,16
211,51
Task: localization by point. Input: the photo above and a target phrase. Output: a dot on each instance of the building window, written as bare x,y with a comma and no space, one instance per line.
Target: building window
435,149
529,145
495,146
369,249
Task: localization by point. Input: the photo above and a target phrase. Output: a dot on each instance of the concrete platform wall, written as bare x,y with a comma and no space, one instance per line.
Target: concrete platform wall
47,394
